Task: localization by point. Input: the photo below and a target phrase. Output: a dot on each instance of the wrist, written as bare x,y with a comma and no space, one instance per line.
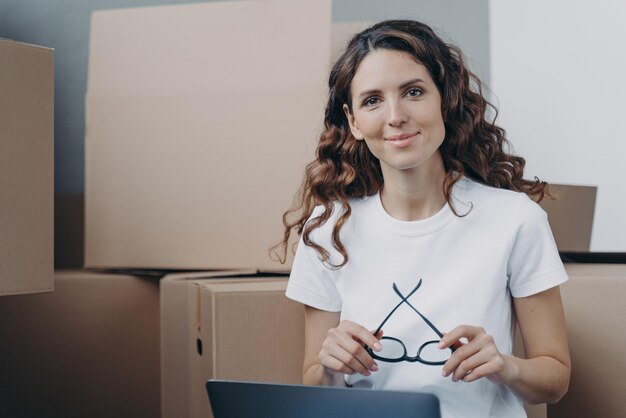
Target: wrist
332,377
511,371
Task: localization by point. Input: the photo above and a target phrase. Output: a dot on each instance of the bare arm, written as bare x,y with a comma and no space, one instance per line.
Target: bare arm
543,376
333,348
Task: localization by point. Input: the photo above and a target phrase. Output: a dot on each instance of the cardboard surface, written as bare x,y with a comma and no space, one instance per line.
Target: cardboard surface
179,304
231,328
571,216
88,349
200,121
594,309
26,168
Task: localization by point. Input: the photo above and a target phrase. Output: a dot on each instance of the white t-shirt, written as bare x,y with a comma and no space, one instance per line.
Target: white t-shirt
470,267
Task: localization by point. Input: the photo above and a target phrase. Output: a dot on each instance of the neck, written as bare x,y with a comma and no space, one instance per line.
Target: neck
413,195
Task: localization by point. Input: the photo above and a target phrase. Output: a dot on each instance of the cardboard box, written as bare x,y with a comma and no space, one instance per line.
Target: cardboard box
26,168
571,216
88,349
240,328
200,120
593,299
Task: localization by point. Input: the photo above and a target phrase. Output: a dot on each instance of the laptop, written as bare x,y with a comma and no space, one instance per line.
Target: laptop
232,399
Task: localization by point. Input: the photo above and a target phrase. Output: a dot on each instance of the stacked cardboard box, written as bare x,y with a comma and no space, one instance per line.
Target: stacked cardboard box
200,121
215,326
88,349
26,168
594,310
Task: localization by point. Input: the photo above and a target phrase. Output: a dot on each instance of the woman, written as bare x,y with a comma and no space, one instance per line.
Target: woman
420,246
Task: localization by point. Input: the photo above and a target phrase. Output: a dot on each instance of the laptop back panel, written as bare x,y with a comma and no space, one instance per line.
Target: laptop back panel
259,400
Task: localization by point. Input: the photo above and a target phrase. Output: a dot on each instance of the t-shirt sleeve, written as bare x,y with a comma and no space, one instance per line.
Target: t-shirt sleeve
310,282
534,263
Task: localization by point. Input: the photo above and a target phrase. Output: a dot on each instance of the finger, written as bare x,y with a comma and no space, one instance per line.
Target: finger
335,365
482,349
361,333
344,347
459,355
379,335
348,359
462,331
469,364
487,369
343,338
358,352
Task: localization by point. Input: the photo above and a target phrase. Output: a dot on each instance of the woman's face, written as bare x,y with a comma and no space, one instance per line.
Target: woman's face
397,112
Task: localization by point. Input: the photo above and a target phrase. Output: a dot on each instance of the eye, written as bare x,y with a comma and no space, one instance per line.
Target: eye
414,92
371,101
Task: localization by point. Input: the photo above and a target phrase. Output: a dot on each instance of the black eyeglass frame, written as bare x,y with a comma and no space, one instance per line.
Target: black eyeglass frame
405,357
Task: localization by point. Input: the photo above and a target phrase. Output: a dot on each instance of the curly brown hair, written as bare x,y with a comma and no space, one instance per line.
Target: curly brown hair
344,167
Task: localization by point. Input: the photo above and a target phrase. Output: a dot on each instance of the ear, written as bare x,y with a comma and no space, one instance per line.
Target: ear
352,122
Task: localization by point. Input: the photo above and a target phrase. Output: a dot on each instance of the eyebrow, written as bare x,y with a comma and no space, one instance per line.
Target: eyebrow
403,85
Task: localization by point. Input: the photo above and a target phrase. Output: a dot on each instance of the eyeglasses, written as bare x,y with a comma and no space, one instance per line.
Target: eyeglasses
394,350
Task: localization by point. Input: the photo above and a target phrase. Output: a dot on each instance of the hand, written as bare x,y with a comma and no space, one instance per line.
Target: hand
342,350
476,359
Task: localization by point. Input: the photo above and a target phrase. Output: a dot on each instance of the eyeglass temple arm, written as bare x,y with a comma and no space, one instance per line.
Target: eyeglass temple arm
404,300
395,287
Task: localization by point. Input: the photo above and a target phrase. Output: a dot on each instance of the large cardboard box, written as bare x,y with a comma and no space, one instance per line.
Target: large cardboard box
88,349
26,168
222,327
200,120
593,299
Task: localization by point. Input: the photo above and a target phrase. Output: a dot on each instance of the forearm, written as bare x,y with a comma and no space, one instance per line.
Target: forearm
317,375
538,380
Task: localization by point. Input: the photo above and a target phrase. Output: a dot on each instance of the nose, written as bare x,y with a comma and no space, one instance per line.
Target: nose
397,114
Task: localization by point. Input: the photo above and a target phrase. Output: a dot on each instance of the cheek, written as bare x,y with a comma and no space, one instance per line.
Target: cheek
436,124
441,130
369,124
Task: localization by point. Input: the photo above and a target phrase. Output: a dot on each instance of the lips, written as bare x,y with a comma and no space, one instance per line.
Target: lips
401,137
401,140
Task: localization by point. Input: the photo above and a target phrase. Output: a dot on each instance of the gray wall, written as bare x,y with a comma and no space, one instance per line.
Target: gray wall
64,25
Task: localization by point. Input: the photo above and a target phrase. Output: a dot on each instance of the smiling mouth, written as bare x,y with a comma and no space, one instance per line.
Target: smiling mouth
401,137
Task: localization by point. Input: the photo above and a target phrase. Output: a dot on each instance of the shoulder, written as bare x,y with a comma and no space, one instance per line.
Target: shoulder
496,202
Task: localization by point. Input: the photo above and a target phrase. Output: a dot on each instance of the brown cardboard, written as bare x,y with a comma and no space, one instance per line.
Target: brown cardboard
200,121
179,305
571,215
246,328
593,299
26,168
88,349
